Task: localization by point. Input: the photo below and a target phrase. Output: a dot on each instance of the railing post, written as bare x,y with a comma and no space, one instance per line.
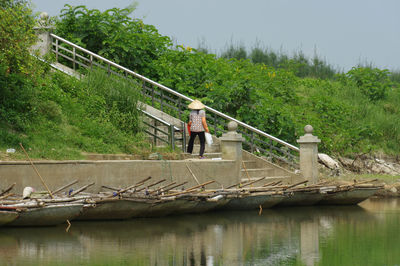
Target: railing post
215,124
179,108
155,133
252,142
56,50
183,124
152,95
144,88
172,136
91,61
309,155
161,100
73,56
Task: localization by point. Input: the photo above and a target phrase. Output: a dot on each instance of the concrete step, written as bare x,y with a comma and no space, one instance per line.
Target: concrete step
101,157
257,172
268,179
196,155
250,164
159,143
213,148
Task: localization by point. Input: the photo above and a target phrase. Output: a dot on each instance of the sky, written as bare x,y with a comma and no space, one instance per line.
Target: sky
344,33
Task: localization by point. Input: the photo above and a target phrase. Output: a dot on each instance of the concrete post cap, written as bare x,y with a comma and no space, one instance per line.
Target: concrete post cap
308,129
232,126
44,16
308,136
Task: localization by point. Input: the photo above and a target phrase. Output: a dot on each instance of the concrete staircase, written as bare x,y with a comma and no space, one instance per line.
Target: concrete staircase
253,167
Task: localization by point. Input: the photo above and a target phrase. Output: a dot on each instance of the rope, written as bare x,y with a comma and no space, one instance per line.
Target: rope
165,166
204,172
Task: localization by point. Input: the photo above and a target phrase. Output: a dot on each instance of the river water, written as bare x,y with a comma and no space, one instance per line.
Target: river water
367,234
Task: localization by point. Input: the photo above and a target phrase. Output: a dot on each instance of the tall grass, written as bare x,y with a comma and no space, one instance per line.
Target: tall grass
298,63
395,76
121,99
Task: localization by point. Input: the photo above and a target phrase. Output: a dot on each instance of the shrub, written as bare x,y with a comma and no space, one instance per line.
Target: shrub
373,82
16,36
114,35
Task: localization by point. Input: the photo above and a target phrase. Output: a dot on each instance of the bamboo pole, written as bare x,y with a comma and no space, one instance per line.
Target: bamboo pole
190,170
231,186
297,184
81,189
130,187
141,182
245,183
273,183
6,196
252,182
190,189
111,188
7,189
245,169
37,172
64,187
181,184
151,185
159,189
269,184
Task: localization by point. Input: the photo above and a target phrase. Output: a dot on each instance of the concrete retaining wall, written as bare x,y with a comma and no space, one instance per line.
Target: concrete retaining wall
114,173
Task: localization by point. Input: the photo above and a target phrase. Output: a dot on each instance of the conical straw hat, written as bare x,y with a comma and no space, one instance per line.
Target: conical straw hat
196,105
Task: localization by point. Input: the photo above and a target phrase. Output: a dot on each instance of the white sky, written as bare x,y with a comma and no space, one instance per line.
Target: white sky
343,32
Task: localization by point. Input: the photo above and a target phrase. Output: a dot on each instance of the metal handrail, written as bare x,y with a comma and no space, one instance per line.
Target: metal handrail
171,132
162,87
165,123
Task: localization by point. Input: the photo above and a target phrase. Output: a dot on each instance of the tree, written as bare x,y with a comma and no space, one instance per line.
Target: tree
114,35
16,35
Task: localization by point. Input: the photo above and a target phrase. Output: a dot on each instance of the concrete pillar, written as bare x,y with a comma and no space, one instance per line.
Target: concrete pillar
309,155
43,45
231,146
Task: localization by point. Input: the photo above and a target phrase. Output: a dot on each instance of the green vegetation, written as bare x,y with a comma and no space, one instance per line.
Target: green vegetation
16,28
114,35
58,116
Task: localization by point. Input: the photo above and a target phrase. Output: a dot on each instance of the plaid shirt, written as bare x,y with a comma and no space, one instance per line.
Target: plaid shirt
195,118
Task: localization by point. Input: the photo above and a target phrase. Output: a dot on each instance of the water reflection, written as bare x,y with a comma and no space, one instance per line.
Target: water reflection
286,236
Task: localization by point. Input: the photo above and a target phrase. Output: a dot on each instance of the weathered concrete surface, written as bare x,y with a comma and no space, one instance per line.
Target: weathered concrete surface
162,115
119,173
43,45
231,146
309,155
286,176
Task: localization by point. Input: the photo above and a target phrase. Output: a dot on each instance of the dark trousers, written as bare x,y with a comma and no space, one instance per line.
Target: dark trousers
202,138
